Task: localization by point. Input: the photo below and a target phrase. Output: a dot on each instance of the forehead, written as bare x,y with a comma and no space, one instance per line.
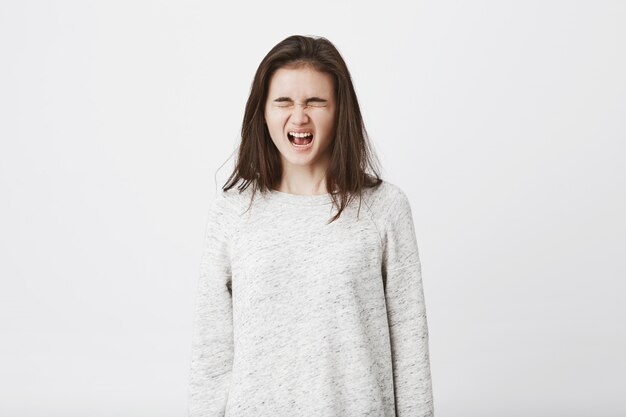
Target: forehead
301,82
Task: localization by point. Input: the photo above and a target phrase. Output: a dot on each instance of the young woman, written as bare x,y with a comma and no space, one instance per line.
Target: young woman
310,299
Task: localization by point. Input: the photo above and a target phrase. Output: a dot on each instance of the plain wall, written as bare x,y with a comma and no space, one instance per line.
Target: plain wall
504,121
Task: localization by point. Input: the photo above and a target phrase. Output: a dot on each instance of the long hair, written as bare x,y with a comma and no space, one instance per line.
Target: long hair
353,164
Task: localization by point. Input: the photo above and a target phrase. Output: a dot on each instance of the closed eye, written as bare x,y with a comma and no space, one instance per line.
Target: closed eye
286,102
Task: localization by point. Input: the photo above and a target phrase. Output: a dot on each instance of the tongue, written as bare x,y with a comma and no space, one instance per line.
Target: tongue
302,141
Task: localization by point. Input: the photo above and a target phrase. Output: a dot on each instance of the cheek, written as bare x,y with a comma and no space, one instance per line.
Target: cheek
327,122
275,125
274,120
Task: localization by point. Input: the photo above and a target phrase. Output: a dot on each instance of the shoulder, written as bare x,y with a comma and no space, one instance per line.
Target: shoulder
225,210
387,198
232,201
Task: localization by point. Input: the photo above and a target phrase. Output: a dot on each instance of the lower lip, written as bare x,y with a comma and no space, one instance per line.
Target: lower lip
302,148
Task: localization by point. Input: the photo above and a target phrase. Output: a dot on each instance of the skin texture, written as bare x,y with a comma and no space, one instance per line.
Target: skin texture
303,172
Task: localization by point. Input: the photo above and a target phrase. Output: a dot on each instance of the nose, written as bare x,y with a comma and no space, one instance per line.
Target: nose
299,115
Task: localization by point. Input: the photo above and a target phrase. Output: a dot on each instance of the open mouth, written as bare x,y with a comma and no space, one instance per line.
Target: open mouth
300,139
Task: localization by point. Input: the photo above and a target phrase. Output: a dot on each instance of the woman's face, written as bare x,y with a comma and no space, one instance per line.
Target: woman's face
301,101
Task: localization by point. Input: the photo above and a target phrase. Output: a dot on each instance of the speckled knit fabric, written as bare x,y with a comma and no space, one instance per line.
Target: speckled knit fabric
295,317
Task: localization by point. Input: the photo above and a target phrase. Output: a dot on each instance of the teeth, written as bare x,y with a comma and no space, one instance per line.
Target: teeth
301,135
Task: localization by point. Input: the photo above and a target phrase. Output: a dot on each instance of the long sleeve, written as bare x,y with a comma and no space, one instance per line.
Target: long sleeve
212,346
406,312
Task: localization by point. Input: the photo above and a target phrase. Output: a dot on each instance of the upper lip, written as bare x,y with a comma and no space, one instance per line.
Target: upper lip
300,130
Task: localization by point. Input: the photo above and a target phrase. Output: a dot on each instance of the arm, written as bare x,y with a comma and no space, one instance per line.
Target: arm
212,346
406,312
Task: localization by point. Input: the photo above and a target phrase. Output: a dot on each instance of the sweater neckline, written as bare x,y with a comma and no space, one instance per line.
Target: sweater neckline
301,199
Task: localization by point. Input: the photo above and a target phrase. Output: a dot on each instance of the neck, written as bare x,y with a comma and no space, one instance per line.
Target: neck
304,181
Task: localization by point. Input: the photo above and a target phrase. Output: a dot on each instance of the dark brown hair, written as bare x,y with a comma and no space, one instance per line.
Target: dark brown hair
352,156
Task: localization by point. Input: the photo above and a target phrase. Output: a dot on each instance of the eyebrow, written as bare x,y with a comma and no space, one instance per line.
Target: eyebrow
308,100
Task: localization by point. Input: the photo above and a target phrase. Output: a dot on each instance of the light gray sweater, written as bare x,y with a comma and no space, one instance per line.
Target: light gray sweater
294,317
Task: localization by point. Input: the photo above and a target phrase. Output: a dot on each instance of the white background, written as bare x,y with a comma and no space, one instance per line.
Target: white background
503,121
